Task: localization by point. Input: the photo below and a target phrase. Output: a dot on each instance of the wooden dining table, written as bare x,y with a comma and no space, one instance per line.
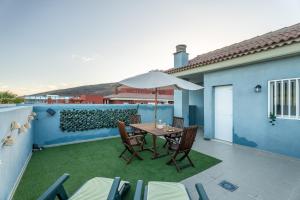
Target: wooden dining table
156,132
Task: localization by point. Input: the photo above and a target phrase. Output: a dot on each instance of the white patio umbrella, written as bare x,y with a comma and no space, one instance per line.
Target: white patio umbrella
158,80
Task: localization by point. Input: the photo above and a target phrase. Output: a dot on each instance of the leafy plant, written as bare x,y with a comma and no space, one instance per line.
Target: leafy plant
9,97
272,118
83,120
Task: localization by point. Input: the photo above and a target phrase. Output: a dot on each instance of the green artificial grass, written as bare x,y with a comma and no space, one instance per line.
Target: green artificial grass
100,158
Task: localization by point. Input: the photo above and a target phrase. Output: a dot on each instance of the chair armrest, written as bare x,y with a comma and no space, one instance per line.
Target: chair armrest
136,136
56,189
201,192
114,190
138,190
146,192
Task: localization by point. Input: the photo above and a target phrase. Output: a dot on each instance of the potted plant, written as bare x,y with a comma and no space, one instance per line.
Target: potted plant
272,118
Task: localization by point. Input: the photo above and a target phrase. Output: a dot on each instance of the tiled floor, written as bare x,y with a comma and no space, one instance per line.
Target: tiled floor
259,175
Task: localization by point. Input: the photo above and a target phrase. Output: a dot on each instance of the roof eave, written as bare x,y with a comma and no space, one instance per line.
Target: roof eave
271,54
140,99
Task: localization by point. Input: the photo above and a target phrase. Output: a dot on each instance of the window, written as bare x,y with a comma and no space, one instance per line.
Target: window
284,99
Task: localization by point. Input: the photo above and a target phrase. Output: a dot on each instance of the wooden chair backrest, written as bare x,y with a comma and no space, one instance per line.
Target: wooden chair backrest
188,138
135,119
123,132
178,122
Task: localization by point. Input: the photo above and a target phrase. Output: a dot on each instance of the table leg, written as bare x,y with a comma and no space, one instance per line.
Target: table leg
155,153
147,148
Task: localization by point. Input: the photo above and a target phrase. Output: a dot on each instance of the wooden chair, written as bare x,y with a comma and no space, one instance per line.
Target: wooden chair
136,119
129,143
177,122
95,188
184,147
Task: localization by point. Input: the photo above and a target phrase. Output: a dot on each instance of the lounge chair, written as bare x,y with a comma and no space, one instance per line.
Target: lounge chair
177,122
97,188
166,191
184,147
130,142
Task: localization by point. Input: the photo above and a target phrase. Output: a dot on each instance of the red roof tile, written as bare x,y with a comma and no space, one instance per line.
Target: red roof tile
139,96
271,40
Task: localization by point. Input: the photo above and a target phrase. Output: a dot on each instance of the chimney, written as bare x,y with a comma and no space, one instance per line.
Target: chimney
181,58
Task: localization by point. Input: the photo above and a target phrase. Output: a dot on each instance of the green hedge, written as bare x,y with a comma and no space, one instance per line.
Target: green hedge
83,120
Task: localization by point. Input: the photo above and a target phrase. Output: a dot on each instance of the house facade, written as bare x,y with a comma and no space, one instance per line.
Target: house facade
49,99
246,85
87,99
57,99
127,95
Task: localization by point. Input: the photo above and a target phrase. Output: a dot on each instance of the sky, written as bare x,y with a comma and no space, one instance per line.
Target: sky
53,44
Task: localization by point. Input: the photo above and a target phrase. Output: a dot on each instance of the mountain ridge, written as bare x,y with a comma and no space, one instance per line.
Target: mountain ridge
102,89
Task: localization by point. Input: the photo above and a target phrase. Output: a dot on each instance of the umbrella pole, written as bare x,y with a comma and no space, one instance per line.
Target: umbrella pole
155,108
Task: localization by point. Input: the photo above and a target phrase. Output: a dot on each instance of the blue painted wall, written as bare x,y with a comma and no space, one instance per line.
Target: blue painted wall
196,99
47,131
251,126
181,105
13,158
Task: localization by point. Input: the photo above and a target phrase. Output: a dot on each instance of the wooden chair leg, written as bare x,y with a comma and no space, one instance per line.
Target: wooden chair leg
173,160
122,153
138,156
169,162
168,151
130,159
181,159
165,143
124,158
131,150
175,163
135,154
142,146
187,156
145,141
186,153
172,157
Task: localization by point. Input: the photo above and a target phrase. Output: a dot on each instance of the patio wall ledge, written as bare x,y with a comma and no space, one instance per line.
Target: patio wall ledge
14,158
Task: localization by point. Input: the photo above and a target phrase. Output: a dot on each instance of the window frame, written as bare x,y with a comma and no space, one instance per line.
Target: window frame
282,116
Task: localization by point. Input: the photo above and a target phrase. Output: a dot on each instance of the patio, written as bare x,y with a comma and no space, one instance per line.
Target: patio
84,161
259,175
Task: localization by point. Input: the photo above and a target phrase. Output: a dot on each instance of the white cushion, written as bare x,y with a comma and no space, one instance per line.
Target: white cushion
97,188
166,190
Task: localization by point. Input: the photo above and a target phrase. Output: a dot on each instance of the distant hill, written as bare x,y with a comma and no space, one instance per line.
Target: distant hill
99,89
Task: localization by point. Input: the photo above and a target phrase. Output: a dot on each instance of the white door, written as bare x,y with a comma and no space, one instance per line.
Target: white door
223,113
